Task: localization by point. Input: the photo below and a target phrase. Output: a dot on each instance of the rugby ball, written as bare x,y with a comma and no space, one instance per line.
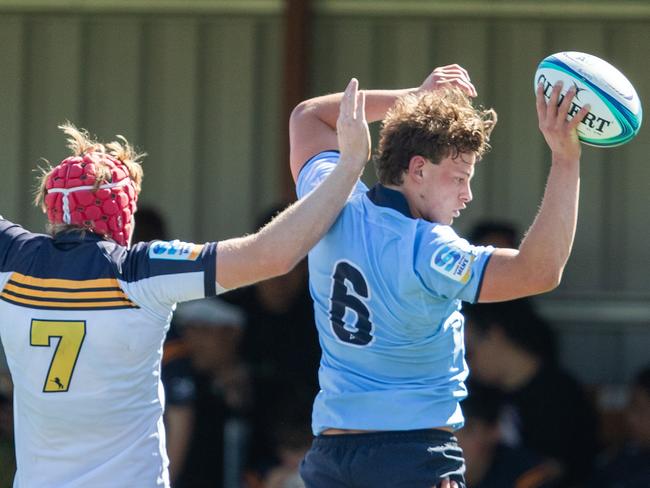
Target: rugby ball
615,115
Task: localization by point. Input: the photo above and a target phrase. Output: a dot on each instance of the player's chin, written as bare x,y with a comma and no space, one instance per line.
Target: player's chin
453,216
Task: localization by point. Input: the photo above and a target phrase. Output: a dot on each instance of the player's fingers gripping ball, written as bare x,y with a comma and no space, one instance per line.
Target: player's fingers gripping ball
615,115
93,191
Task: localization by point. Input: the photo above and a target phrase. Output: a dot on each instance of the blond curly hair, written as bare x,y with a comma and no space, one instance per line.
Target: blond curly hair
434,125
80,142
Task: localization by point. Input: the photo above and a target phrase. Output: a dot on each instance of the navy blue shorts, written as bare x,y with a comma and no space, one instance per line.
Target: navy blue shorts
393,459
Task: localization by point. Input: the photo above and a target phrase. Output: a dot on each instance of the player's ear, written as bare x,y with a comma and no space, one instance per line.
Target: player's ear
416,166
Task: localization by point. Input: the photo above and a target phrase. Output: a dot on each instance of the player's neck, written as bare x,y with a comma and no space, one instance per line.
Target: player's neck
408,196
399,188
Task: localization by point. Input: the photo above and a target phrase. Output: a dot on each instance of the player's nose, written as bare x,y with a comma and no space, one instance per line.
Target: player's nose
467,195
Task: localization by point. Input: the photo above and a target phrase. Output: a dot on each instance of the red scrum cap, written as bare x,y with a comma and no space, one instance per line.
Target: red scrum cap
73,196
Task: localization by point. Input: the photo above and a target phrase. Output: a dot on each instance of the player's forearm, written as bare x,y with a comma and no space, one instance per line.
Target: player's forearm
280,245
547,245
290,238
326,107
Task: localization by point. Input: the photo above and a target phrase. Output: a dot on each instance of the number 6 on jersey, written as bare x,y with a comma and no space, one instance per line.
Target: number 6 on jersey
71,336
359,334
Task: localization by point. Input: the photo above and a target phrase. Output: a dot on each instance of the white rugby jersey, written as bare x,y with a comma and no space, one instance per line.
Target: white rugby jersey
83,321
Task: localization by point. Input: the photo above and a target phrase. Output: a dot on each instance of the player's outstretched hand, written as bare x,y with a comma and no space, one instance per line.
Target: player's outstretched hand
560,134
448,76
351,127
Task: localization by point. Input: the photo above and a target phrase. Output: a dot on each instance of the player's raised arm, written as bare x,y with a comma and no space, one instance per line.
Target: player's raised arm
281,244
538,265
312,127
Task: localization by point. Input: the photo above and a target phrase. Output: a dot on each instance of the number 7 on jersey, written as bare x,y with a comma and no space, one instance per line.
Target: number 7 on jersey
71,336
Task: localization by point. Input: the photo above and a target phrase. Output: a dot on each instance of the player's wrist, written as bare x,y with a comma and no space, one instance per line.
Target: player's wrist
352,163
565,160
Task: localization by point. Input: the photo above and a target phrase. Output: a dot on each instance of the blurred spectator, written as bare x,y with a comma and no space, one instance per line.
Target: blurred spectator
150,225
280,312
629,467
511,348
216,386
492,464
293,439
7,457
495,233
280,344
180,395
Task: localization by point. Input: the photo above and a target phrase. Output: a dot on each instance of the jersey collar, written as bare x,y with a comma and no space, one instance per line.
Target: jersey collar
386,197
76,235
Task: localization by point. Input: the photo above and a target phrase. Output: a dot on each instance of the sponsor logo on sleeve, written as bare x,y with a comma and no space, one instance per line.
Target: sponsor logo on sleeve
452,262
175,250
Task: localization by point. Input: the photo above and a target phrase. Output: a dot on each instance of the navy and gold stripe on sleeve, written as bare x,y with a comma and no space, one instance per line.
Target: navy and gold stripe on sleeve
64,294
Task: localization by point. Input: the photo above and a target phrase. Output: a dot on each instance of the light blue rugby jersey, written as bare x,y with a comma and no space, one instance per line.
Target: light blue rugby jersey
387,292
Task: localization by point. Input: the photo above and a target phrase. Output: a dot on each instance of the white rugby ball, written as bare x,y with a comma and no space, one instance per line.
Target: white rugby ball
615,115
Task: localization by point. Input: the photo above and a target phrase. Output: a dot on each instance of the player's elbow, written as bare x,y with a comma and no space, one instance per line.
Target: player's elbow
277,258
299,112
248,260
278,264
276,249
547,279
538,274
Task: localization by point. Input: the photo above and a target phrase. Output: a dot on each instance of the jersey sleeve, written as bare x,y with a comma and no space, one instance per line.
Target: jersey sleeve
448,266
167,272
317,169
